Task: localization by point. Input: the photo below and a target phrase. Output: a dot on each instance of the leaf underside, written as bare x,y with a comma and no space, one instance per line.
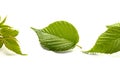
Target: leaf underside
58,36
109,41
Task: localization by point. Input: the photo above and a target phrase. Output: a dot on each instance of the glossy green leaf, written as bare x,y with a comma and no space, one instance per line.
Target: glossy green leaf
12,45
58,36
9,32
1,42
5,26
109,41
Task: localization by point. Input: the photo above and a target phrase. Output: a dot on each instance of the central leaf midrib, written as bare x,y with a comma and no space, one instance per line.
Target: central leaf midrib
58,37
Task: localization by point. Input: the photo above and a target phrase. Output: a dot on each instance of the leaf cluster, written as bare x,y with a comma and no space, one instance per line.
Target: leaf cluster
8,37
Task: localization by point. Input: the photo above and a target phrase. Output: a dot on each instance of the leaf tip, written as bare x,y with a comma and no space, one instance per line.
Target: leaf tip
32,28
24,54
2,22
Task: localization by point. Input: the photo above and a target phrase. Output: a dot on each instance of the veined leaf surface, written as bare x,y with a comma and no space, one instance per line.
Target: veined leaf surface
58,36
109,41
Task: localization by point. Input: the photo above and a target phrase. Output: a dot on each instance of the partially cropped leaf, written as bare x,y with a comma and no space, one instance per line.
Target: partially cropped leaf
12,45
58,36
109,41
9,32
1,42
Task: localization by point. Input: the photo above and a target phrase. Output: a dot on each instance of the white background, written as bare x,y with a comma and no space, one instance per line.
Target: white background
88,16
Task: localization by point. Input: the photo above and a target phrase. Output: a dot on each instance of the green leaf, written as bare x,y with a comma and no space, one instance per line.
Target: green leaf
1,42
12,45
5,26
3,21
2,25
58,36
9,32
108,42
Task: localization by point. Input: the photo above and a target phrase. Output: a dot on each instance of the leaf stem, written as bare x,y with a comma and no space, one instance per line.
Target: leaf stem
79,46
